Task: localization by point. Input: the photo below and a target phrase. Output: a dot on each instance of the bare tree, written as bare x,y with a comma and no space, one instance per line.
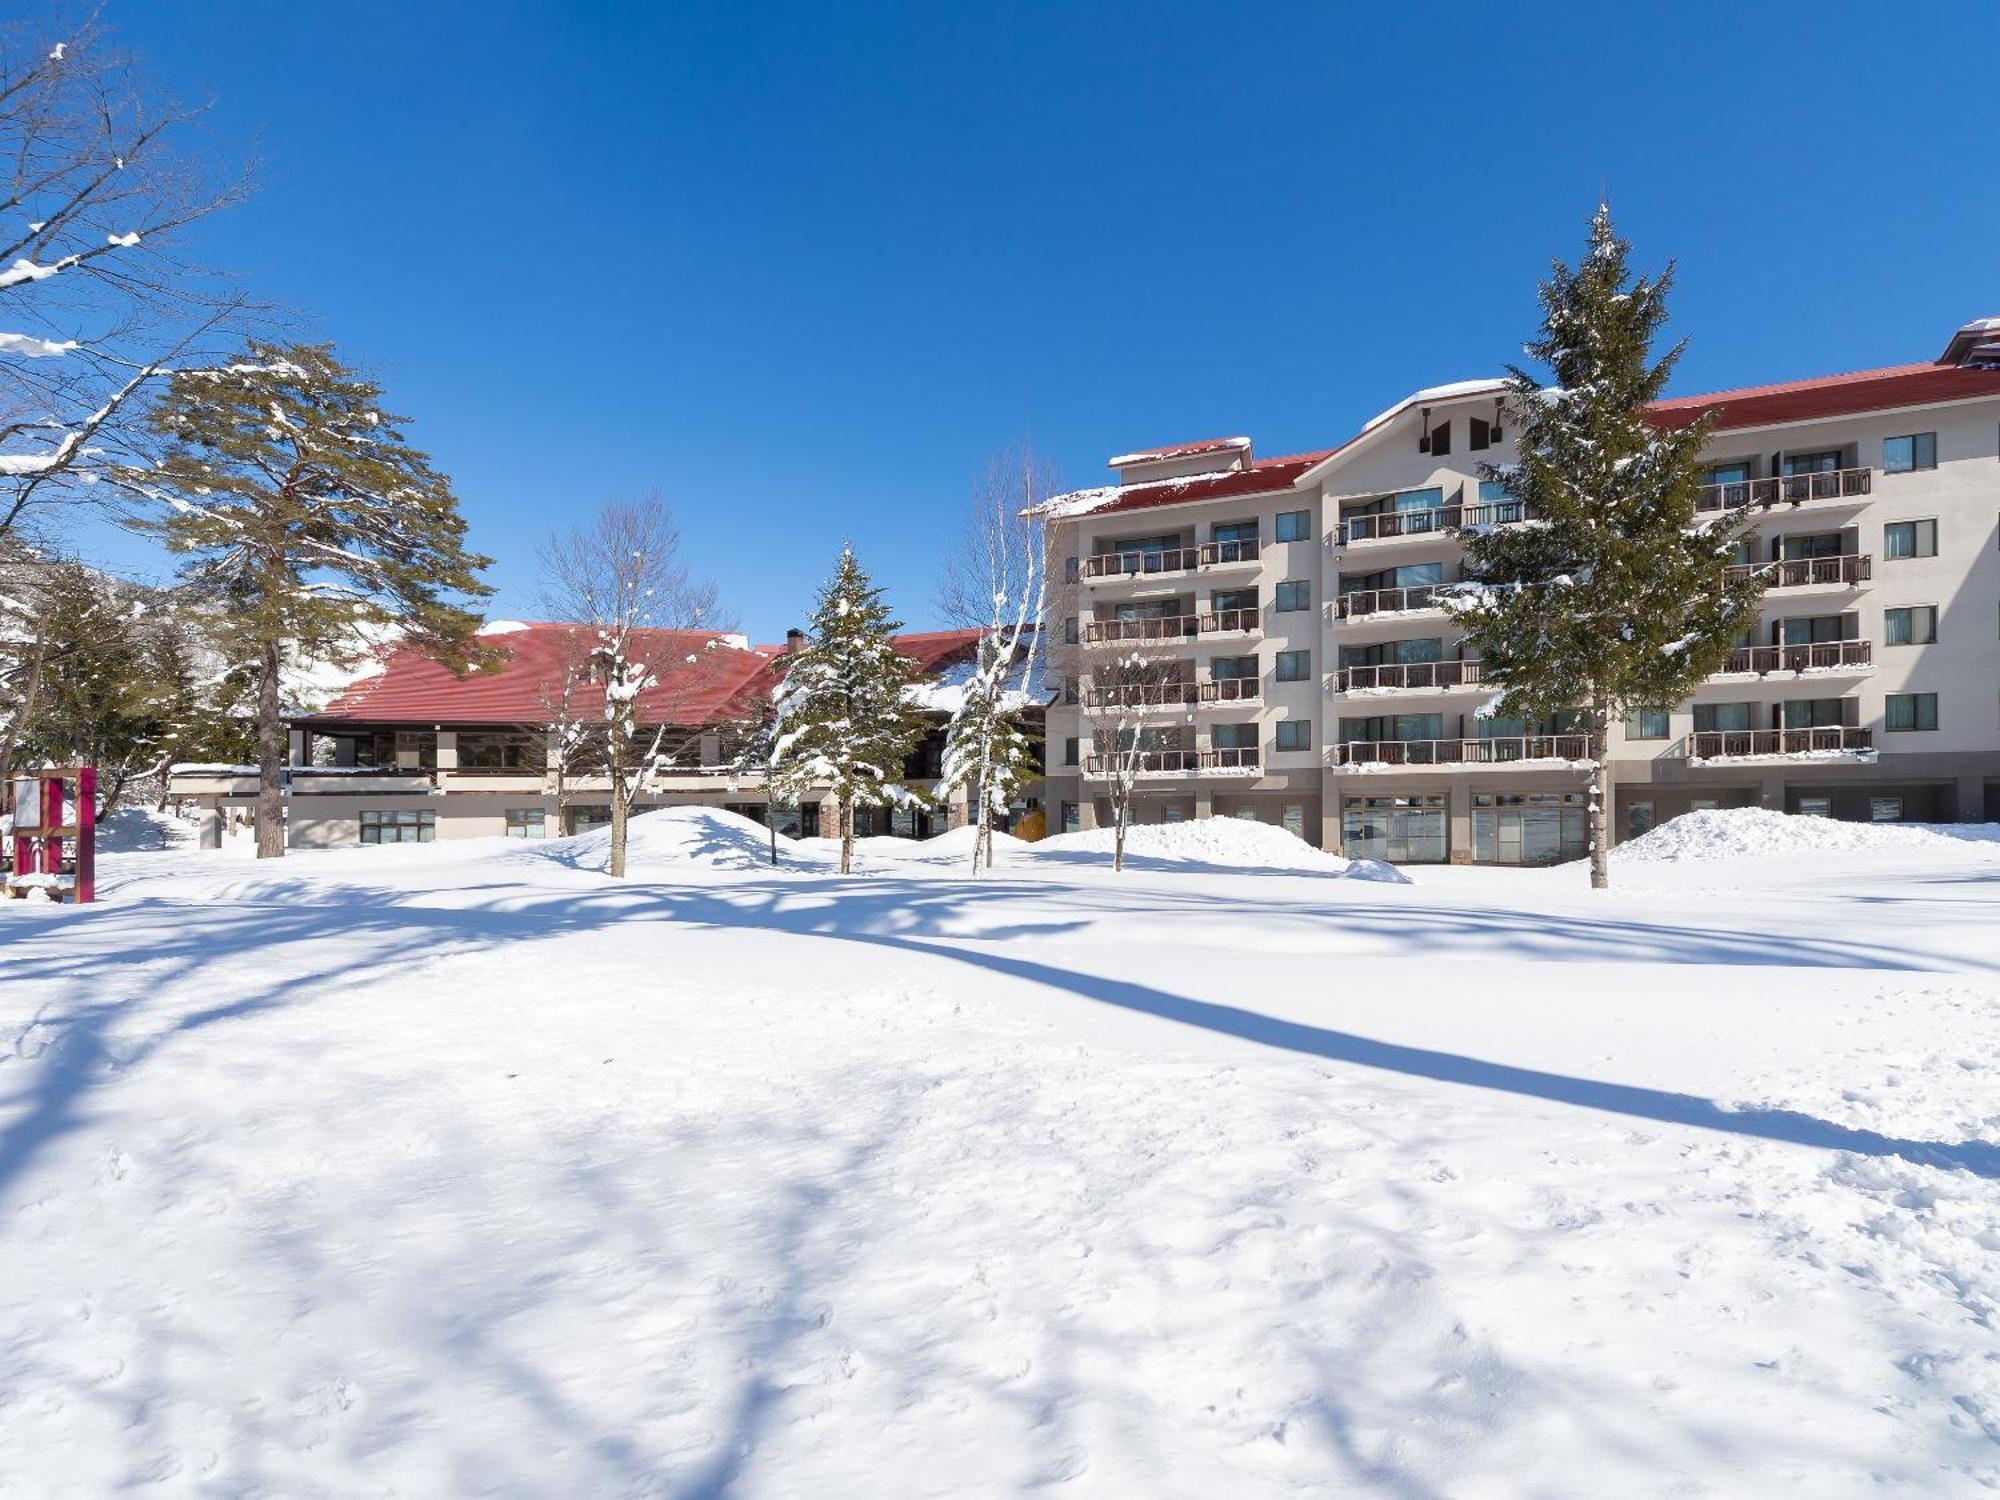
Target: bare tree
995,583
95,301
621,576
1139,710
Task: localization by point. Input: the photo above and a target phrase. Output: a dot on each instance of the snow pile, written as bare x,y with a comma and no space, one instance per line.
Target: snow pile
1212,843
671,838
1737,832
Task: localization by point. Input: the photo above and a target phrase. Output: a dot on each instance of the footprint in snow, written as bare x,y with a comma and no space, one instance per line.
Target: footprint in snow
1070,1466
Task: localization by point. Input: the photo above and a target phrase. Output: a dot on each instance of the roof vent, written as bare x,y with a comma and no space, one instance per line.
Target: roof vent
1976,346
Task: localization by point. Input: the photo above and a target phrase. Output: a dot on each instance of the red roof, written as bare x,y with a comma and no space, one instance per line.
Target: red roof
1262,477
1830,396
721,681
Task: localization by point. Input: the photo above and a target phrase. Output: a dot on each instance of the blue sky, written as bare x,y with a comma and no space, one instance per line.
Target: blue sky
804,267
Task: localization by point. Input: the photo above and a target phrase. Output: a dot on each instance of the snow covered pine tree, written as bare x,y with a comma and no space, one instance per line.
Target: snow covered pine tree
988,750
843,721
309,519
1617,600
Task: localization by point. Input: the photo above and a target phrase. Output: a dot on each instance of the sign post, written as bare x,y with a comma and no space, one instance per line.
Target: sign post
55,835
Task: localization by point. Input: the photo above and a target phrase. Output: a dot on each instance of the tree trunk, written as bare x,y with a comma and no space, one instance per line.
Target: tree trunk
270,758
771,817
619,797
1118,831
846,835
1600,795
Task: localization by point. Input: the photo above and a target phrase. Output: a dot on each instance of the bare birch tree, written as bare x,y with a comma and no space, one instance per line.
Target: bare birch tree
995,582
1130,700
622,577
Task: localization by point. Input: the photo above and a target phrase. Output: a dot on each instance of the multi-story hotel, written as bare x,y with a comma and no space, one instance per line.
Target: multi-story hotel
1303,672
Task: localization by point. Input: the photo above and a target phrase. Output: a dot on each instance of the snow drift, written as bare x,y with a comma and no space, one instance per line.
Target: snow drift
680,838
1737,832
1232,844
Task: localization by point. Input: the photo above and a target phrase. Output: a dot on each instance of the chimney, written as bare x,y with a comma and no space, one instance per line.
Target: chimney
795,641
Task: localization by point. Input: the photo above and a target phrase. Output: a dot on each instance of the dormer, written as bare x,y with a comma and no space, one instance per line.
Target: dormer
1214,456
1976,346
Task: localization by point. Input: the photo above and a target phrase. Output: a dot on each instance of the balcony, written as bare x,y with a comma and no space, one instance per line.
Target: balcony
319,781
1143,563
1242,759
1389,525
1827,742
1830,658
1787,489
1232,690
1515,750
1418,599
1806,572
1119,632
1143,696
1154,562
1408,676
1231,621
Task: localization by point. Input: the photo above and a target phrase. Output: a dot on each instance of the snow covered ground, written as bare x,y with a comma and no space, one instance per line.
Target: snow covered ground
459,1169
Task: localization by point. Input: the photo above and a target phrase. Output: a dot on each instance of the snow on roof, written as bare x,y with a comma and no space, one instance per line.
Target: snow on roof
1489,386
1179,450
502,627
1265,476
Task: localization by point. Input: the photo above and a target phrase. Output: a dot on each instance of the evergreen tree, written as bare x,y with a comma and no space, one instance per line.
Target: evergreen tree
843,720
1614,599
988,750
308,516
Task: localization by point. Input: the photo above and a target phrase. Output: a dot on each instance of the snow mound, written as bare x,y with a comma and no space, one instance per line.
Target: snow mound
1739,832
671,838
1232,844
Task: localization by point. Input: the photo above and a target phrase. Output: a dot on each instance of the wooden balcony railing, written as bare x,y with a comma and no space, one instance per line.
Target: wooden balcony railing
1407,674
1236,758
1820,656
1144,695
1487,752
1226,621
1110,632
1232,690
1787,489
1805,572
1227,554
1364,602
1399,523
1141,561
1725,743
1173,762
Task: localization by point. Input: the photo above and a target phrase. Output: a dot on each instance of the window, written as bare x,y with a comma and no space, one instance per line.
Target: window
526,823
400,827
1902,454
1406,830
1729,473
1721,718
1807,630
1294,734
1703,804
1233,668
1824,462
1430,499
1172,815
501,752
1813,713
1638,819
1529,828
1069,751
1295,593
1235,531
1915,625
1885,809
1815,807
1070,695
1646,724
1295,666
1492,492
1909,539
1294,525
1478,435
1294,819
1071,568
1072,817
1910,711
1069,631
1233,737
1441,439
591,815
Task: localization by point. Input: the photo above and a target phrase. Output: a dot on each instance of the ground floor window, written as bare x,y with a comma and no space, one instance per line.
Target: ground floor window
589,815
1295,819
1529,828
400,827
1171,815
754,811
526,823
1639,817
809,820
1072,817
1815,807
1885,809
1704,804
1403,830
